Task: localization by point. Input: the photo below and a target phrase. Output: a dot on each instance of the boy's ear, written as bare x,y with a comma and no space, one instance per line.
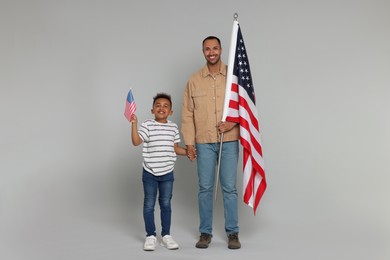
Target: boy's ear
171,112
151,110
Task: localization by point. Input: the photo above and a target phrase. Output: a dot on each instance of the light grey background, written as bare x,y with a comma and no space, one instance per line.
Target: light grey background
70,184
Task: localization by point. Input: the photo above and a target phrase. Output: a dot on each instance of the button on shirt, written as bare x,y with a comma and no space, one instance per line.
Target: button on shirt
202,108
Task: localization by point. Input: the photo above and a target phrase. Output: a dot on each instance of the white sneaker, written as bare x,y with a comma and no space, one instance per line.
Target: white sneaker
168,242
150,243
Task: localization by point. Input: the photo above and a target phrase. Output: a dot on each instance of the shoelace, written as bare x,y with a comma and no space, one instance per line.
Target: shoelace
204,236
169,240
150,240
233,236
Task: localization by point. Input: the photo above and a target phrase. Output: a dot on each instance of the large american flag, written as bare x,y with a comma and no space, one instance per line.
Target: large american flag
240,107
130,107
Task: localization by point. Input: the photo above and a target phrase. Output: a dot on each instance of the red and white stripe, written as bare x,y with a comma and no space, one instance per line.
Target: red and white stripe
242,110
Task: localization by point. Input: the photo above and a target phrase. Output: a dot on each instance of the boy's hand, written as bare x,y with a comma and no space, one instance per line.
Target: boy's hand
133,119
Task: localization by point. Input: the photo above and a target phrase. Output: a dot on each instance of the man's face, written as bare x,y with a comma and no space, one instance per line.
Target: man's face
212,51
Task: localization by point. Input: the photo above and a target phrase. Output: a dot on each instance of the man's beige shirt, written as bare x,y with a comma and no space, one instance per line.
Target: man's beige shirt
202,108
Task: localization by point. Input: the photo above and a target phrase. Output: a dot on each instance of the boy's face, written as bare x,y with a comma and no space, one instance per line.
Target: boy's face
161,110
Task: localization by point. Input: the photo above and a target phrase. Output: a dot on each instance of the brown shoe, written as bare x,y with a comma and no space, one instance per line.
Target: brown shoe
204,241
234,242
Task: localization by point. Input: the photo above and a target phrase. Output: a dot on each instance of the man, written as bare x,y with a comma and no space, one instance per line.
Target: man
202,109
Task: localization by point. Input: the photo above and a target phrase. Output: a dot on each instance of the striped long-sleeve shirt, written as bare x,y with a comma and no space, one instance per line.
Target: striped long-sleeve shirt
158,146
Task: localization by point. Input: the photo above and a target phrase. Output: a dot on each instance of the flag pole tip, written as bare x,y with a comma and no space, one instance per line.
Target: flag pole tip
235,16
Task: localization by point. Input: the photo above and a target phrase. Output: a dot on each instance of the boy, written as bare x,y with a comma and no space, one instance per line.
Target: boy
160,139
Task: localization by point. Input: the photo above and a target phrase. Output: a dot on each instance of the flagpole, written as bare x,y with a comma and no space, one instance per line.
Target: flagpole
228,86
218,166
229,77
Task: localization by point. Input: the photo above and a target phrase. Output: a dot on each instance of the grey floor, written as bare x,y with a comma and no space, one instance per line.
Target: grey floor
106,235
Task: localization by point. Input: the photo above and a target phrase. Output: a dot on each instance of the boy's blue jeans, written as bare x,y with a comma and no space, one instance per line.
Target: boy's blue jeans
207,158
163,186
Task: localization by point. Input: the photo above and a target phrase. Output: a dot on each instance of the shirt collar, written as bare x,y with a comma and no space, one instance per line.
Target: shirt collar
222,70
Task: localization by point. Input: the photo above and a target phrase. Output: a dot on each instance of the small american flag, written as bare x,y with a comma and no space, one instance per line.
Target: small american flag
130,106
240,107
